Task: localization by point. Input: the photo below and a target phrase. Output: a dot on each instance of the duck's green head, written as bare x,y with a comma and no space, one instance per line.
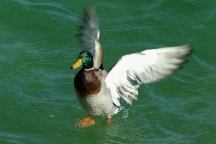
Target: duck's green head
85,59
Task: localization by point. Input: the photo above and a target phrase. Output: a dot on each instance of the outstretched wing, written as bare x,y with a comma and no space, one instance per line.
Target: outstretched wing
144,67
88,29
89,34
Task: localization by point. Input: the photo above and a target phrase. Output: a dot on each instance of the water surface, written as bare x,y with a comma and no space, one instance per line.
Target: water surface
37,45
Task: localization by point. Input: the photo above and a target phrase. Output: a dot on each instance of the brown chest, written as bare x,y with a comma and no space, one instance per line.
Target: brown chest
87,83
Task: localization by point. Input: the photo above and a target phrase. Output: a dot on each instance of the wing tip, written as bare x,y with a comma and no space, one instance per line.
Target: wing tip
90,10
189,49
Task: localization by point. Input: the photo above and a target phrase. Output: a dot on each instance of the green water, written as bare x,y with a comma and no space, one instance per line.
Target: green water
37,45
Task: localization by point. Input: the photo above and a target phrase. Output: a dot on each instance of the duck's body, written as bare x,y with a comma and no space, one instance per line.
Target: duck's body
92,92
99,91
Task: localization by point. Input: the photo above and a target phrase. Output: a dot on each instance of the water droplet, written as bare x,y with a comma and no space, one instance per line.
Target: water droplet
52,116
125,113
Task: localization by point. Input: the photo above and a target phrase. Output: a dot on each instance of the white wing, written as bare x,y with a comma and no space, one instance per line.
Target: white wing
144,67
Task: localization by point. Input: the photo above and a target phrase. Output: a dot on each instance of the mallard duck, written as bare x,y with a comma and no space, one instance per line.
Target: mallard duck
99,91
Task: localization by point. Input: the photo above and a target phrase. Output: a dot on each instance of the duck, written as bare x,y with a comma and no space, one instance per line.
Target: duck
100,91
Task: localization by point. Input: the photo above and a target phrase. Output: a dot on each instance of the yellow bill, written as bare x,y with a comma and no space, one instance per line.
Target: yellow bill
77,64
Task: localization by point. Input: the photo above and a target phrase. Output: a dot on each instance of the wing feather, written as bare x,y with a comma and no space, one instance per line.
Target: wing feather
147,66
88,30
89,34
